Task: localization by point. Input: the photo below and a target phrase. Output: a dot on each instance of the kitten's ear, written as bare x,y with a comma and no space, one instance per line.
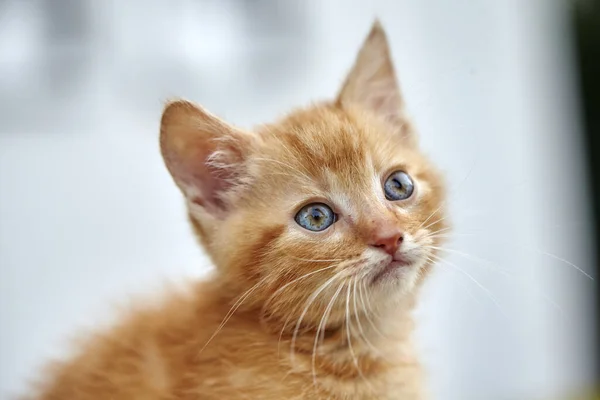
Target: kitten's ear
372,82
204,154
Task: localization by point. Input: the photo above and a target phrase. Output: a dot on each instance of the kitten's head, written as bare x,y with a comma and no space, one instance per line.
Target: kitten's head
333,197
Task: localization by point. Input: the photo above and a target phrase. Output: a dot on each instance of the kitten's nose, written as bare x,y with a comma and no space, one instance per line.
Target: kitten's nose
388,240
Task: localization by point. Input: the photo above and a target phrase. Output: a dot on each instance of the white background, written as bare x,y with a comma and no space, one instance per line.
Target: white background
89,217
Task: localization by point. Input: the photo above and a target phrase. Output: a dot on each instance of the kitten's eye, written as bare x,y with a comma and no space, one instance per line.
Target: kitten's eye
398,186
315,217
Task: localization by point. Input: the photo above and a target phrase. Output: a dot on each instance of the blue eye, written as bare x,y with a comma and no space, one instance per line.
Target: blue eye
398,186
315,217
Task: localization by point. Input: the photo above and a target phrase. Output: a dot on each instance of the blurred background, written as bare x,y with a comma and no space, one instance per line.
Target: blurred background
505,95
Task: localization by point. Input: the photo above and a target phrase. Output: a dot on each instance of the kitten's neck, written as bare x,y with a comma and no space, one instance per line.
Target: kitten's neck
375,335
373,332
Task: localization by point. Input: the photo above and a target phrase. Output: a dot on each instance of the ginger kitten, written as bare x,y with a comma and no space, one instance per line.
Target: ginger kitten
321,227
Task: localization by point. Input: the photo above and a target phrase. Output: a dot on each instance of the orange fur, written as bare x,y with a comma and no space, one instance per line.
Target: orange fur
288,313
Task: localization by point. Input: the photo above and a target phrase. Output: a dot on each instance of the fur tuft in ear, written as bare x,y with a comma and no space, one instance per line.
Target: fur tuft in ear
372,84
204,154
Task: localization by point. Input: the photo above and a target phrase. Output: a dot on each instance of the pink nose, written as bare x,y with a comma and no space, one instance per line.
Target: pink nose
389,241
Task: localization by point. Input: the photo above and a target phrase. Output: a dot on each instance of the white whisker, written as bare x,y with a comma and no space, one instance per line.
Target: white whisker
475,281
435,222
438,231
359,324
361,291
430,215
296,280
309,301
322,325
295,169
348,327
488,263
232,311
313,260
564,261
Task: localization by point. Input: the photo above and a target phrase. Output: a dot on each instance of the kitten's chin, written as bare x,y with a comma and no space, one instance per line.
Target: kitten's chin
392,271
400,272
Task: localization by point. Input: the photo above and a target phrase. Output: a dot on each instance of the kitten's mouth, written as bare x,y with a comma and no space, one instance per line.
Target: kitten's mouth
393,267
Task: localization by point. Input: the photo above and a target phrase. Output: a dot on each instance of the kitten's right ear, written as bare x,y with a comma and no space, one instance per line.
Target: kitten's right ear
372,82
204,154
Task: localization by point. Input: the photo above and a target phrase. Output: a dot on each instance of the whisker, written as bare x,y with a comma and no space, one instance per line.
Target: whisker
232,311
283,164
284,145
296,280
280,173
438,231
361,291
514,280
448,201
359,324
506,274
539,251
488,263
430,215
348,327
447,235
281,335
478,301
436,221
311,260
322,325
309,301
486,290
564,261
281,289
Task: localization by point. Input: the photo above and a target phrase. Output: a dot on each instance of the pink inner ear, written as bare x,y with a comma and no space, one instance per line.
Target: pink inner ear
202,153
204,182
212,183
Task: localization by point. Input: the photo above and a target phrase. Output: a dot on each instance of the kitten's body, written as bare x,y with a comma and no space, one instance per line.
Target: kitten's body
290,312
159,355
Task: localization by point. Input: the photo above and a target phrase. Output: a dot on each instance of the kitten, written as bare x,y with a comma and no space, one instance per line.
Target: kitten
322,226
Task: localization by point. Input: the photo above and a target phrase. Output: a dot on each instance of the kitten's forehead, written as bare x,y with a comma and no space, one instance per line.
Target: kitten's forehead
331,146
336,156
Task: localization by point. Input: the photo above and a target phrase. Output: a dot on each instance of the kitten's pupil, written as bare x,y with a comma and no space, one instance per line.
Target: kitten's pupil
398,186
316,214
315,217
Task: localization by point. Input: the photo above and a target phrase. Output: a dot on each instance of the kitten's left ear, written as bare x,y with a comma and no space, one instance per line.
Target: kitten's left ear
372,82
204,154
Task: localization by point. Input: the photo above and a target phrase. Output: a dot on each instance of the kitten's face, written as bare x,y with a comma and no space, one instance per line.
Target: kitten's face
335,184
332,199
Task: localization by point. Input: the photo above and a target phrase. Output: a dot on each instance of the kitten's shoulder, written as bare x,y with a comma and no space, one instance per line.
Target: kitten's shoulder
133,357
